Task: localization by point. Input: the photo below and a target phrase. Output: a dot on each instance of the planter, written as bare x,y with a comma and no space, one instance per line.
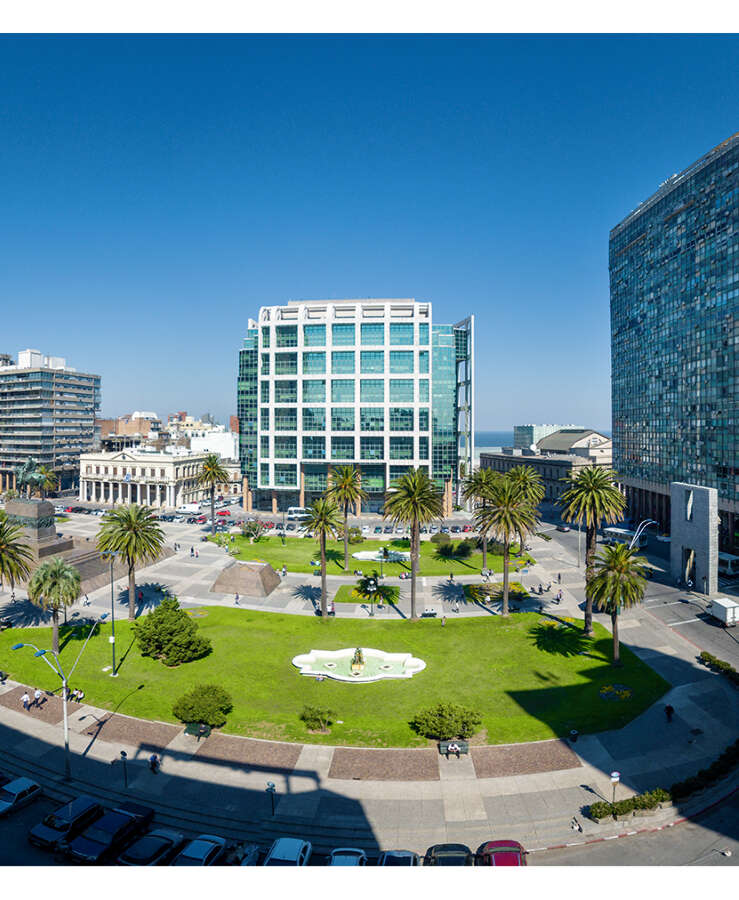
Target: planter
666,804
622,817
602,820
641,813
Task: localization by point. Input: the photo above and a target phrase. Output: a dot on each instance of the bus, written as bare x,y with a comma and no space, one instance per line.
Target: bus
296,513
623,536
728,564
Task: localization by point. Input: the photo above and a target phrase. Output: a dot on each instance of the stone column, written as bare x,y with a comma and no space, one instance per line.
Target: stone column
301,500
274,502
82,490
138,492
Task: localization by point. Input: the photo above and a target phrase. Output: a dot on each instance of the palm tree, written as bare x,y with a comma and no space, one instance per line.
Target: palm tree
528,482
506,515
322,520
381,593
15,554
477,487
413,500
345,489
55,585
593,498
50,481
618,583
212,474
133,532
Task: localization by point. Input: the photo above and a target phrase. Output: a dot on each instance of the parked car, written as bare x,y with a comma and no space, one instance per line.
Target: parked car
388,529
201,520
399,858
449,855
433,529
456,529
347,856
365,529
70,509
156,848
105,838
466,528
423,530
204,850
290,526
501,853
66,822
288,852
18,793
445,529
378,529
563,528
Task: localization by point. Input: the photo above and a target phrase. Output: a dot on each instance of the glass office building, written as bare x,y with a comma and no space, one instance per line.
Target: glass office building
674,272
47,411
373,383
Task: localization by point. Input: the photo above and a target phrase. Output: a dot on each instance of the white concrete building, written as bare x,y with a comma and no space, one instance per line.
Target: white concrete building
224,443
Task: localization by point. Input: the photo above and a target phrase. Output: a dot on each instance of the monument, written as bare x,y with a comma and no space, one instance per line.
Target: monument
36,517
694,536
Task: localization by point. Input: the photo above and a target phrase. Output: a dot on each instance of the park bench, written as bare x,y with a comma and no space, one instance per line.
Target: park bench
429,613
194,728
464,747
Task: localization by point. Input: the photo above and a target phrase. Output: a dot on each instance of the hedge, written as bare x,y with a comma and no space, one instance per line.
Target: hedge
720,665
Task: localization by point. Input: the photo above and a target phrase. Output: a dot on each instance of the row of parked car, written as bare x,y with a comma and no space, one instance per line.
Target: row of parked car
86,833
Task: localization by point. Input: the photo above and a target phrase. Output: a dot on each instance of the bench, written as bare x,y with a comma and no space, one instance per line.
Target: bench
194,728
464,747
429,613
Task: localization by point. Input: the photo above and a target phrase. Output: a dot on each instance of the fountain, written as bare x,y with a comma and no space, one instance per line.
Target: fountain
362,665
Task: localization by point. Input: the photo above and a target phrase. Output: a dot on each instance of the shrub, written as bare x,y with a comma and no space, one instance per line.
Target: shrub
464,549
623,807
317,718
440,538
446,551
661,795
253,530
355,536
207,703
445,721
600,810
544,535
169,634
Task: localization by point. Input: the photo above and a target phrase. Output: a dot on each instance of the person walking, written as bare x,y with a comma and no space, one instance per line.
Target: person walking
192,552
443,621
37,698
284,571
26,701
559,578
669,712
236,600
154,763
197,554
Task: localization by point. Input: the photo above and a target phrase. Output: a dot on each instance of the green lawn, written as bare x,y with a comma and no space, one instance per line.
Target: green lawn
297,554
530,679
345,594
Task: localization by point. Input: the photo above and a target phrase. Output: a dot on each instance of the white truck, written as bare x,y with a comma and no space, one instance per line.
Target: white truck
189,509
725,610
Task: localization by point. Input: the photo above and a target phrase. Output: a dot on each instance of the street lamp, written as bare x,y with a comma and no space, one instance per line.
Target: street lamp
371,588
615,778
271,791
111,555
640,528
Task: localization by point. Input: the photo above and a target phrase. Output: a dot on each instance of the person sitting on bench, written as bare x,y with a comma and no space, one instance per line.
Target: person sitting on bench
452,748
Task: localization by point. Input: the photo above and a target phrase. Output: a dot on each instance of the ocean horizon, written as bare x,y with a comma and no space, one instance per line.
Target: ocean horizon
505,438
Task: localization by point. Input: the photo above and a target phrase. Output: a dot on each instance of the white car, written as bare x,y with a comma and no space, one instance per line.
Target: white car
365,529
179,518
18,793
347,856
288,852
204,850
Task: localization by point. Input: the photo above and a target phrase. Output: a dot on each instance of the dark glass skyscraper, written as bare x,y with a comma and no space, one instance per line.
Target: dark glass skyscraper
674,271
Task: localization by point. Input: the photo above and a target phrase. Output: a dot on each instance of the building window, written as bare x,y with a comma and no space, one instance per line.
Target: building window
314,418
342,448
265,419
314,335
423,334
423,391
286,336
314,391
105,471
314,448
264,446
401,448
161,473
343,335
401,418
286,392
398,472
264,473
286,364
342,362
342,390
314,363
88,470
423,362
342,418
286,419
373,333
372,390
372,447
265,392
286,475
401,333
265,336
286,447
372,361
423,448
423,420
372,419
265,364
401,362
401,390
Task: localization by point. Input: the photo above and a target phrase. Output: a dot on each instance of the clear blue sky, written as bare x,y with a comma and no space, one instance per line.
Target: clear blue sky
156,191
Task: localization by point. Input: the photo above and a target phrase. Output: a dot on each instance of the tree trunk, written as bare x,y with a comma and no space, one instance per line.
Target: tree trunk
506,551
55,630
521,543
415,539
591,544
131,591
346,536
616,645
484,551
212,509
324,605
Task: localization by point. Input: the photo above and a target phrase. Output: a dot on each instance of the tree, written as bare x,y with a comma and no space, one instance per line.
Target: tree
323,521
618,583
345,489
206,703
169,634
253,530
318,718
528,482
477,487
382,593
445,721
592,497
48,482
413,500
11,494
54,586
133,532
15,554
212,474
506,514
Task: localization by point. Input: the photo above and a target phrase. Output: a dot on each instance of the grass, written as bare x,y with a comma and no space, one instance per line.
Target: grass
480,593
530,677
346,594
297,554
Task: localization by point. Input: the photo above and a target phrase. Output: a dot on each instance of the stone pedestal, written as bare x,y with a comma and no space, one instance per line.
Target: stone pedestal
36,518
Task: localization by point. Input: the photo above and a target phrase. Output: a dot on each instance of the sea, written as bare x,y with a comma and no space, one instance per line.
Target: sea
489,440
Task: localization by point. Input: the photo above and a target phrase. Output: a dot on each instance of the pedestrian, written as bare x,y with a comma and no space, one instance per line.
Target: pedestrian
87,601
141,595
154,763
451,577
197,554
669,712
559,578
36,698
26,701
284,571
443,621
455,606
192,552
236,600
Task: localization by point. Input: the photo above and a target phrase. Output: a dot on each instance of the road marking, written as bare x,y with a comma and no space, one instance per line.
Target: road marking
684,622
671,603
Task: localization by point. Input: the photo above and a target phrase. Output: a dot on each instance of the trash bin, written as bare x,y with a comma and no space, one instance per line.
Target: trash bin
574,735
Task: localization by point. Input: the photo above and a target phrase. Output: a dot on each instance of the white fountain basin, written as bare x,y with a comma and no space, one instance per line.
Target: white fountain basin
337,664
377,556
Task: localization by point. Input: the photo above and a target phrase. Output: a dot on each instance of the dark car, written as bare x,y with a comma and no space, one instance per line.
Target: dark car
290,526
388,529
378,529
105,838
501,853
563,528
456,529
66,822
204,850
156,848
449,855
445,529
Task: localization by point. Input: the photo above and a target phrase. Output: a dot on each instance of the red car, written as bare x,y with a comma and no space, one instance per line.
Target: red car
223,512
466,528
201,520
68,509
501,853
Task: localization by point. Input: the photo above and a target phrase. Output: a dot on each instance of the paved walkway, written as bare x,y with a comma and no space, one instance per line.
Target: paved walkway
384,798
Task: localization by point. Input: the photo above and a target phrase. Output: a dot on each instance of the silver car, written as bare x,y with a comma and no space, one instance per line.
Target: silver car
18,793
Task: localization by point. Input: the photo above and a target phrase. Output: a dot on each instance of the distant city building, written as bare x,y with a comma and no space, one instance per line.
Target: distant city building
526,435
233,424
47,411
374,383
143,424
674,272
183,425
224,443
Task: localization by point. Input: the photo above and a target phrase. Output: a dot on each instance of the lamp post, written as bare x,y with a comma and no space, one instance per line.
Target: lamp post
579,536
615,778
271,791
111,555
371,588
124,761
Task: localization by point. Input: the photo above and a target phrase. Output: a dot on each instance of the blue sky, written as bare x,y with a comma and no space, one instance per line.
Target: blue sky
156,191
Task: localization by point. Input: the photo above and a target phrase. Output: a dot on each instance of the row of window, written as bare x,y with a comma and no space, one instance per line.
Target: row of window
343,362
373,480
343,418
343,448
343,390
345,335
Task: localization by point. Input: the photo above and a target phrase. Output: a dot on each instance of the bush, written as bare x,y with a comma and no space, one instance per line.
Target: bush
446,551
600,810
661,795
445,721
544,535
464,549
207,703
169,634
318,718
623,807
720,665
355,536
717,770
440,538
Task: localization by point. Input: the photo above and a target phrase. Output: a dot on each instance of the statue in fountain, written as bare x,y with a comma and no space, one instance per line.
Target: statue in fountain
357,661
